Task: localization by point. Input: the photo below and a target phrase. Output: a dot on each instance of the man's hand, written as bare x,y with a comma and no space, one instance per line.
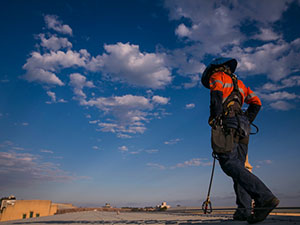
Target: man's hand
214,121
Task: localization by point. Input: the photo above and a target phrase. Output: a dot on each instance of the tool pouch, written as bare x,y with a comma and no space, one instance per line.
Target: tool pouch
241,125
222,141
244,129
244,125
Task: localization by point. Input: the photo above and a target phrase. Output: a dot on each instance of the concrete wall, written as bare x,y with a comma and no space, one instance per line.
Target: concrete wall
30,208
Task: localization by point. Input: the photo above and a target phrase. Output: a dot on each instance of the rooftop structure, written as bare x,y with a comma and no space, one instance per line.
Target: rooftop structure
12,209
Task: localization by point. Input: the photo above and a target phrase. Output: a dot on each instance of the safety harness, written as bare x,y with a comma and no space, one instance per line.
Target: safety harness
232,106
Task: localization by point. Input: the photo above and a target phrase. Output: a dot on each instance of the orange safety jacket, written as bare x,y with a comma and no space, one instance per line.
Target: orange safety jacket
221,86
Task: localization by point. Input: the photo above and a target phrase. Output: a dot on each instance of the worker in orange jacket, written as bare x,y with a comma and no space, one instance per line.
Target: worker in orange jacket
230,137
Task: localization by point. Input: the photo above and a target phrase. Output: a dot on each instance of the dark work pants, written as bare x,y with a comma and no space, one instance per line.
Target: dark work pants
246,185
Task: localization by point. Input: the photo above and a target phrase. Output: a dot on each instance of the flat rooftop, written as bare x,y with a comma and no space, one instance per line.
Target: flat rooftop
100,217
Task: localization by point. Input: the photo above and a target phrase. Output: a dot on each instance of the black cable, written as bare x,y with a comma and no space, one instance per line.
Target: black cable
206,206
256,127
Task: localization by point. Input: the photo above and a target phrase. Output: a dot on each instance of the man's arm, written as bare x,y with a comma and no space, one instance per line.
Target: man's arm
216,96
216,107
254,105
252,111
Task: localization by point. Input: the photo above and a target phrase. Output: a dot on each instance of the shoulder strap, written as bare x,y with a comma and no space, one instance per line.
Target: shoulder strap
234,100
234,80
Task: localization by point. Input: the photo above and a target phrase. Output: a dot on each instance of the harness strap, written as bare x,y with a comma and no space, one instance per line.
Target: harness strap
233,103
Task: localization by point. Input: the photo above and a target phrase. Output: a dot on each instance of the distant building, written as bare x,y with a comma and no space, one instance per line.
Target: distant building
163,206
23,209
107,205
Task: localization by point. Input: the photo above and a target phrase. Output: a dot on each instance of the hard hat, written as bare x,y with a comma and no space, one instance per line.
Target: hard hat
232,63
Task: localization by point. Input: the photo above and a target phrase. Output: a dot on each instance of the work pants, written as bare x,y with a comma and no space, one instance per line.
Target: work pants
246,185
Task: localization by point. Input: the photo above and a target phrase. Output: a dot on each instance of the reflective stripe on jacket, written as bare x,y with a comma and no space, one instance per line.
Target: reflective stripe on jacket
222,82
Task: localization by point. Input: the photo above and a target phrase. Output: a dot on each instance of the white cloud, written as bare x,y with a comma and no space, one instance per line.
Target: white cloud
123,148
293,81
271,87
42,67
52,95
186,60
119,135
196,162
95,147
135,153
270,93
55,60
94,121
156,166
172,142
195,79
278,100
275,59
108,127
126,101
54,43
150,151
182,31
280,95
263,162
78,82
62,100
266,34
47,151
52,22
190,106
204,15
43,76
281,105
6,143
25,124
18,148
192,162
217,23
160,99
123,128
23,169
268,161
136,68
125,62
125,114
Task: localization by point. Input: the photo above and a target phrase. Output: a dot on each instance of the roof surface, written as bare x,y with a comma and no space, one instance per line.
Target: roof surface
96,217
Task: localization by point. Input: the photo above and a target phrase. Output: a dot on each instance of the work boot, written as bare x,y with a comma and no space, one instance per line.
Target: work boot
262,211
239,216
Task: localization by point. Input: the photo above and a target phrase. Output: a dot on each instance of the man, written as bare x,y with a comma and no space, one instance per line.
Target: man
230,136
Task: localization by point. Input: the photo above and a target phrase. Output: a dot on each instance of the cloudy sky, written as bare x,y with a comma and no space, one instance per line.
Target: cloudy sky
101,101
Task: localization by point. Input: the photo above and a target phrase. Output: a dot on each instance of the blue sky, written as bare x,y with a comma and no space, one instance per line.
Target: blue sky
101,101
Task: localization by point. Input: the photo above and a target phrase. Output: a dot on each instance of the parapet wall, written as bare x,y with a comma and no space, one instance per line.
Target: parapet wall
103,209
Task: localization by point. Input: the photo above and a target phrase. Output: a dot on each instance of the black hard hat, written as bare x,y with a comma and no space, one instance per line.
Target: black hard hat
231,62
